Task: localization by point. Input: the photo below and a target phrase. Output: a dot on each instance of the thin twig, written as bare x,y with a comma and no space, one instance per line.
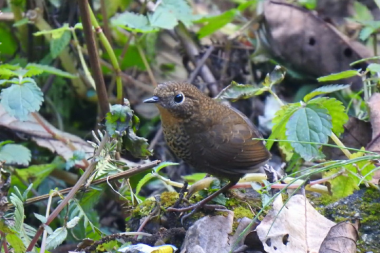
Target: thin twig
147,66
192,51
87,173
94,57
155,139
200,64
124,174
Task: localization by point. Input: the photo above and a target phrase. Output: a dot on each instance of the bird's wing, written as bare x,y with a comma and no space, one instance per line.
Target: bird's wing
228,146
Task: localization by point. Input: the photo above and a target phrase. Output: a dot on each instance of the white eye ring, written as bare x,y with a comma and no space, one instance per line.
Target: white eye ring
179,98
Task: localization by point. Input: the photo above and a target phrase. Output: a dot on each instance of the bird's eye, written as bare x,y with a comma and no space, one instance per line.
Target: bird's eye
178,98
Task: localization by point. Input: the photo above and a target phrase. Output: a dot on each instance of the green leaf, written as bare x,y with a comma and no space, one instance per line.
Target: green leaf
216,22
194,177
279,128
57,45
20,100
179,8
365,59
143,181
138,146
325,90
149,176
16,242
21,22
344,185
56,238
365,33
374,67
309,4
163,165
40,217
133,22
338,76
35,173
275,77
336,110
163,19
236,91
15,154
55,33
310,123
77,156
118,119
18,214
362,13
341,186
50,70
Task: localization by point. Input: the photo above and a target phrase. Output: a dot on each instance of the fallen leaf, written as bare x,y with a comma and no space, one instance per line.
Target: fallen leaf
43,138
341,239
296,227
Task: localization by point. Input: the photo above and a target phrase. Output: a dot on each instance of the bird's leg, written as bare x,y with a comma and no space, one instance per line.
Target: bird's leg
201,203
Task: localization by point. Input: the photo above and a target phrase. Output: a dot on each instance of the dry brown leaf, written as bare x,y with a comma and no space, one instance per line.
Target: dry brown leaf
341,239
296,228
305,44
374,107
43,138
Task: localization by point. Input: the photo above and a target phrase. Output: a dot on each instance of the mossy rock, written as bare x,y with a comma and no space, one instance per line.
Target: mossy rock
365,206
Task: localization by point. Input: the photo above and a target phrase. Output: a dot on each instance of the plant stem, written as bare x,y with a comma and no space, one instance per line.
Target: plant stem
107,46
341,145
150,72
86,15
71,194
44,236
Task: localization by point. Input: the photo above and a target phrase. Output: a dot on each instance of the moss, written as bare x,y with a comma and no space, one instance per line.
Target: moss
371,194
145,208
241,212
168,199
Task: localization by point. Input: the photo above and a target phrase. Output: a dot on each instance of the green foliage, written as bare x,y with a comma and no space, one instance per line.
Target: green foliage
36,173
236,91
59,43
214,23
50,70
166,16
21,99
149,176
14,154
373,67
336,110
338,76
17,199
15,242
77,156
279,128
309,4
119,121
56,238
133,22
309,123
325,90
353,174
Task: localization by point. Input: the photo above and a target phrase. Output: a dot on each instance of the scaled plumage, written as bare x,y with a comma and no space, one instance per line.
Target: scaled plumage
206,134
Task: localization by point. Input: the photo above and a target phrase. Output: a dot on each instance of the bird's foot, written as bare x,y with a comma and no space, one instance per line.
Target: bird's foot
194,208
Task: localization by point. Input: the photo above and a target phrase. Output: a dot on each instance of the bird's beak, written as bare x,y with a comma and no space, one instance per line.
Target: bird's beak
153,99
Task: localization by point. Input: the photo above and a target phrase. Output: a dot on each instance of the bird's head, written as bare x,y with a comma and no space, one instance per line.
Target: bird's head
179,100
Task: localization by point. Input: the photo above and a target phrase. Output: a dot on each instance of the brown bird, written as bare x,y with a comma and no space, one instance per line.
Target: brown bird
211,137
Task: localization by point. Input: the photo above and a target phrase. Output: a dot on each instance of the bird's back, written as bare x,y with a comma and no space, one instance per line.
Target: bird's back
218,141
